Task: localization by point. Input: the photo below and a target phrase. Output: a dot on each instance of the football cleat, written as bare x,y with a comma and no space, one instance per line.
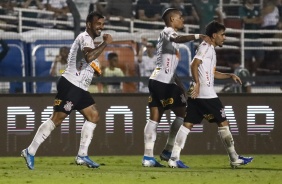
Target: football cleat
86,161
241,161
151,162
29,159
165,155
177,164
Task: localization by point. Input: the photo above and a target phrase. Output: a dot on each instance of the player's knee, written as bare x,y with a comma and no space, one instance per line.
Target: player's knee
94,117
58,118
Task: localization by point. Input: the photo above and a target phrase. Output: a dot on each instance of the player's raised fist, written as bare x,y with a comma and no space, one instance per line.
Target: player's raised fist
107,38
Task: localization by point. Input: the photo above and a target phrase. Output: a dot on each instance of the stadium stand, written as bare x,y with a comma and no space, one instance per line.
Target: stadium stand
35,48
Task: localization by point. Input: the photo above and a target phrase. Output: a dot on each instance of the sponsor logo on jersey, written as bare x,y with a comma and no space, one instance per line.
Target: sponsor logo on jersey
57,102
150,99
167,65
68,106
166,70
208,116
208,79
166,102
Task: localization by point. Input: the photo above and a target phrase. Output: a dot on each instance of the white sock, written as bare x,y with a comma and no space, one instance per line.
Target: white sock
179,143
86,137
150,135
172,133
42,133
228,142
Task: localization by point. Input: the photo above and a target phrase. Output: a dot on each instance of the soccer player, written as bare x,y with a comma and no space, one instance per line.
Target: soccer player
72,91
166,91
203,102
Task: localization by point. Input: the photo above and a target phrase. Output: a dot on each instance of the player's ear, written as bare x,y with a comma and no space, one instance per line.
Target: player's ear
88,25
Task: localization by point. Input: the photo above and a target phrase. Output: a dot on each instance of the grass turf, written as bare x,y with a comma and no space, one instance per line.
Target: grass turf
209,169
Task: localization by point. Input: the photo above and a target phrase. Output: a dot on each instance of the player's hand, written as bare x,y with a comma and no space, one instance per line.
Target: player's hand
195,91
58,58
236,78
205,38
144,41
107,38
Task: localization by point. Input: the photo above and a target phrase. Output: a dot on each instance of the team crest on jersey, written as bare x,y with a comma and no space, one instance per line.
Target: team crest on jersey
223,113
68,106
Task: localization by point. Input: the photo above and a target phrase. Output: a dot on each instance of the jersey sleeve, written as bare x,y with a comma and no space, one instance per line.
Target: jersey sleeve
202,51
86,41
170,33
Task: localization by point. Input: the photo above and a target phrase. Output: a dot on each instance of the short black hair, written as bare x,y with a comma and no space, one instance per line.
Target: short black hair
91,15
167,12
112,55
214,27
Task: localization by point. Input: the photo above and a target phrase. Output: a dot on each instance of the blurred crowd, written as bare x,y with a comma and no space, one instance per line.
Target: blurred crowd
251,15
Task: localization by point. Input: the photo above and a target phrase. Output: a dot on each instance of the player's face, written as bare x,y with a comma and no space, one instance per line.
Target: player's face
220,38
178,21
97,25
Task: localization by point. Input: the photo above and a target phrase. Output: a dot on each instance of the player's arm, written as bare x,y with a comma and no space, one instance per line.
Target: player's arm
188,38
219,75
195,75
179,83
92,54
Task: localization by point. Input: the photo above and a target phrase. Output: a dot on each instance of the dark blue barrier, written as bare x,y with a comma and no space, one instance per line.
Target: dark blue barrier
40,53
186,54
13,63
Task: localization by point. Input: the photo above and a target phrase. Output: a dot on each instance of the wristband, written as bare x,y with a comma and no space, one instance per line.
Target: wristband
197,36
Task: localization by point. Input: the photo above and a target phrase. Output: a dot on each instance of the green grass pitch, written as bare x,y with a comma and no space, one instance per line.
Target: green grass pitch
204,169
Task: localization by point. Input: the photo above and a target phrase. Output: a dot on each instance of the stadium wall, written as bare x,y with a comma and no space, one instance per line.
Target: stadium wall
254,122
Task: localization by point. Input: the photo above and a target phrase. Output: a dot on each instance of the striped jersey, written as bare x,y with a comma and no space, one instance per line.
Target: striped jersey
167,57
78,71
206,53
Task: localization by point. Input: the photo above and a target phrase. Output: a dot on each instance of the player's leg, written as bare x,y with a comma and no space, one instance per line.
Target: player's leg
150,131
228,142
193,116
176,101
178,121
92,117
179,143
150,134
42,133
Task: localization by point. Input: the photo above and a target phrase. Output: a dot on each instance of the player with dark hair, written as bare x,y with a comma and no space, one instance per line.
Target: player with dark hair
166,90
72,91
203,102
